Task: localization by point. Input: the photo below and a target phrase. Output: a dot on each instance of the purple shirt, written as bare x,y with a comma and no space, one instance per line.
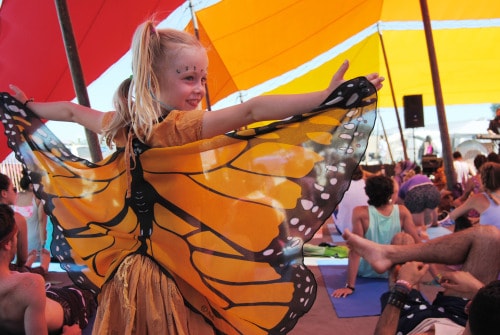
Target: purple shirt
416,180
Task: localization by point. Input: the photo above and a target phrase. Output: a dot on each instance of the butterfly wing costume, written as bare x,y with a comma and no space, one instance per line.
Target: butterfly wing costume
225,217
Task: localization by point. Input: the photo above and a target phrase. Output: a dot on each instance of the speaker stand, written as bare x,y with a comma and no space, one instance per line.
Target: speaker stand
414,151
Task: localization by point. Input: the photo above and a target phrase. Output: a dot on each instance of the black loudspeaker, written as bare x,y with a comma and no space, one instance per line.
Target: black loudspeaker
414,111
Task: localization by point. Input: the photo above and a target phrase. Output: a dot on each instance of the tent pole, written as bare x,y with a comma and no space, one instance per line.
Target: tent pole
385,137
438,95
77,73
392,94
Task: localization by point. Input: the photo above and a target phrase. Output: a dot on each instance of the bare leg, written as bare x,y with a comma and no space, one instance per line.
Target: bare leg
398,239
477,248
32,256
45,260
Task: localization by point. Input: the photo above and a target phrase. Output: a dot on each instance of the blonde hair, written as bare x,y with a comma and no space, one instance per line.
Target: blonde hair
136,99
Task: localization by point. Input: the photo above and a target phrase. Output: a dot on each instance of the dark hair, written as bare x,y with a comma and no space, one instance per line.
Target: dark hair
357,174
479,160
493,157
457,154
25,181
379,190
7,221
4,182
29,178
490,176
461,223
484,310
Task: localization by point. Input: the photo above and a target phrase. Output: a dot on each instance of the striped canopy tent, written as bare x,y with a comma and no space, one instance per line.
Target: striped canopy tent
263,47
295,46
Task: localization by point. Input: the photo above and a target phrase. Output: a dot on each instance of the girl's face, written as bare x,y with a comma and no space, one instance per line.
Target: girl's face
183,84
9,196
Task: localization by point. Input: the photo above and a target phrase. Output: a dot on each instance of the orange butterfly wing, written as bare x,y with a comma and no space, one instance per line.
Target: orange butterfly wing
226,217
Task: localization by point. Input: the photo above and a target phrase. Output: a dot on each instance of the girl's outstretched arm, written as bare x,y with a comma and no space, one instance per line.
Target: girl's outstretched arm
63,111
273,107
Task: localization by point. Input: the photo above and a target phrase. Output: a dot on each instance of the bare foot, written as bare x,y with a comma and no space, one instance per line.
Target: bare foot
45,259
372,252
33,254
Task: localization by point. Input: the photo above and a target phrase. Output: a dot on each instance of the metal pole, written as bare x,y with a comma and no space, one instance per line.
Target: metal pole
77,73
403,143
438,95
385,138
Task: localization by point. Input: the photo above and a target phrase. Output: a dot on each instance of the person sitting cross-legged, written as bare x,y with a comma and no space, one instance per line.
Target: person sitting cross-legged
379,222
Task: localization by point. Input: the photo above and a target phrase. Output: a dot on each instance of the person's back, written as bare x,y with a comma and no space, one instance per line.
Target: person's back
383,225
21,293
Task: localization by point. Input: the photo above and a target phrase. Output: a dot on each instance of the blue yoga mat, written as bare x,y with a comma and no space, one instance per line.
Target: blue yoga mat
364,302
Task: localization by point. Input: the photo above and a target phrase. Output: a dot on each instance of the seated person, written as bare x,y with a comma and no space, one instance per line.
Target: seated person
486,203
379,222
354,196
25,306
477,248
422,198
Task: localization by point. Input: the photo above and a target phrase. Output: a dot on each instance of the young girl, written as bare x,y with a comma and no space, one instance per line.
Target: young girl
158,107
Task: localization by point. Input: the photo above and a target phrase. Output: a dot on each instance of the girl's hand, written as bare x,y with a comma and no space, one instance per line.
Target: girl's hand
338,78
18,93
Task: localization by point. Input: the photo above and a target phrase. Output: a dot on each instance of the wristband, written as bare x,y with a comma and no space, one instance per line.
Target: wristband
397,299
29,100
403,284
350,287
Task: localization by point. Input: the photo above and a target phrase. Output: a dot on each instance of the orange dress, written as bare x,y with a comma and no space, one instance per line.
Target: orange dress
140,298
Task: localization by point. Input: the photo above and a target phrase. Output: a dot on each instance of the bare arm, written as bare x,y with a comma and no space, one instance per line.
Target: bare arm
34,316
359,214
63,111
22,239
42,221
476,201
463,282
387,324
272,107
407,224
469,186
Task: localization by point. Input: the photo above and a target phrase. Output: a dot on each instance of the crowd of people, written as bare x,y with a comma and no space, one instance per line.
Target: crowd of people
473,217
